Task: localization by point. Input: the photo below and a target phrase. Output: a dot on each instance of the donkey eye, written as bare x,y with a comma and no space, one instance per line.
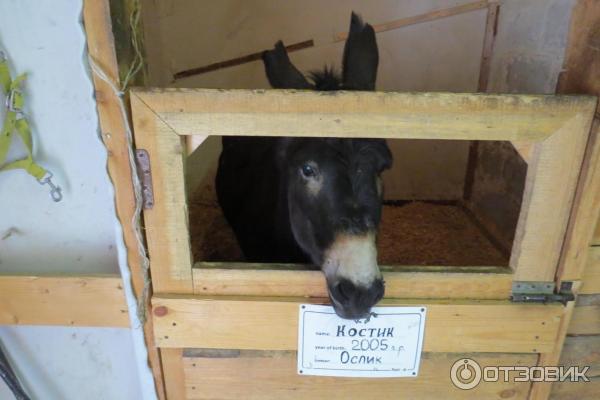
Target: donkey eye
308,171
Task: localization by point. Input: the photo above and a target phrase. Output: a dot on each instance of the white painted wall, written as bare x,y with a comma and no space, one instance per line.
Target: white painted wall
78,235
44,39
72,363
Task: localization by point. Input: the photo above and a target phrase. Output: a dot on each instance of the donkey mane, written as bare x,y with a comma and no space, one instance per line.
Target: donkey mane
326,80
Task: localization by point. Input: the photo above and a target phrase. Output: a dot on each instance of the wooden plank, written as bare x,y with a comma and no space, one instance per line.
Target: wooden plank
586,321
576,390
172,365
580,351
272,324
272,375
63,300
216,279
585,213
549,190
591,273
586,317
363,114
541,390
582,60
101,47
166,224
496,193
417,19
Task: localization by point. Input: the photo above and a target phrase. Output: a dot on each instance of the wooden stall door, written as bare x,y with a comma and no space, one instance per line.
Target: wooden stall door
244,340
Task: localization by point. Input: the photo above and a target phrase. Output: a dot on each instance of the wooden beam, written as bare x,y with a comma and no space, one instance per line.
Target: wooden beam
166,223
272,375
172,365
585,212
101,47
549,190
417,19
63,300
541,390
362,114
242,279
272,324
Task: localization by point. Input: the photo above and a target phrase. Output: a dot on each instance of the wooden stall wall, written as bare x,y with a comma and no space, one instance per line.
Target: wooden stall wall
582,75
206,373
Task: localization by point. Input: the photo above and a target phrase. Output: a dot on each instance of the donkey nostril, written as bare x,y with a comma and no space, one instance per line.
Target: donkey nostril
379,288
346,290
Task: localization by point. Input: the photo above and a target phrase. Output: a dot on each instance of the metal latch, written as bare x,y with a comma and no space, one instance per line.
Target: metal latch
142,160
541,292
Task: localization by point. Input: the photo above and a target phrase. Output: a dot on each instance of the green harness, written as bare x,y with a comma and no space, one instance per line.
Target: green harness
15,121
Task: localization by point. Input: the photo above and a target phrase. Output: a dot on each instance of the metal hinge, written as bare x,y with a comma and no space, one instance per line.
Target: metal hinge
142,160
542,292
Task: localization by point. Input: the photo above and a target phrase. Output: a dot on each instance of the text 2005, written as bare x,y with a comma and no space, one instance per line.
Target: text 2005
370,344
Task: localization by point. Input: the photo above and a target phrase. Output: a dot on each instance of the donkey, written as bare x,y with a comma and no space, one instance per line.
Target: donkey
316,200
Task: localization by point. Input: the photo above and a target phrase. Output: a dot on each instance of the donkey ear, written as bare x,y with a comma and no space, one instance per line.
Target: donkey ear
377,151
281,72
361,56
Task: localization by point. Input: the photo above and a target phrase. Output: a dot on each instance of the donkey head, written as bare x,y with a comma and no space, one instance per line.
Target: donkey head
334,191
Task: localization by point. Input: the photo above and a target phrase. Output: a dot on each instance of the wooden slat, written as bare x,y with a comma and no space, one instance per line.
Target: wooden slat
101,47
272,375
363,114
216,279
166,223
591,273
586,210
63,300
541,390
549,190
418,19
268,324
172,365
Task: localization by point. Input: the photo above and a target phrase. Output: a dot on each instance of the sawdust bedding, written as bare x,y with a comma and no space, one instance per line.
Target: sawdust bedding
411,233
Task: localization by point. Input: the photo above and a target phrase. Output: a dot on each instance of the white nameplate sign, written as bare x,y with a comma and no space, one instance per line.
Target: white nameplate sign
388,344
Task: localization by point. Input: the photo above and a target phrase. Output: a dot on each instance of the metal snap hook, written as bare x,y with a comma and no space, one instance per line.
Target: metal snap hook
55,190
10,102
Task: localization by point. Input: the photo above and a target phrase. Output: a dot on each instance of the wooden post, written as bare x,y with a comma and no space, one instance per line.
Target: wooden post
100,40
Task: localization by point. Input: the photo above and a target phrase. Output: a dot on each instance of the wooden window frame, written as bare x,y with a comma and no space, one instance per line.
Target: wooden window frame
551,130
